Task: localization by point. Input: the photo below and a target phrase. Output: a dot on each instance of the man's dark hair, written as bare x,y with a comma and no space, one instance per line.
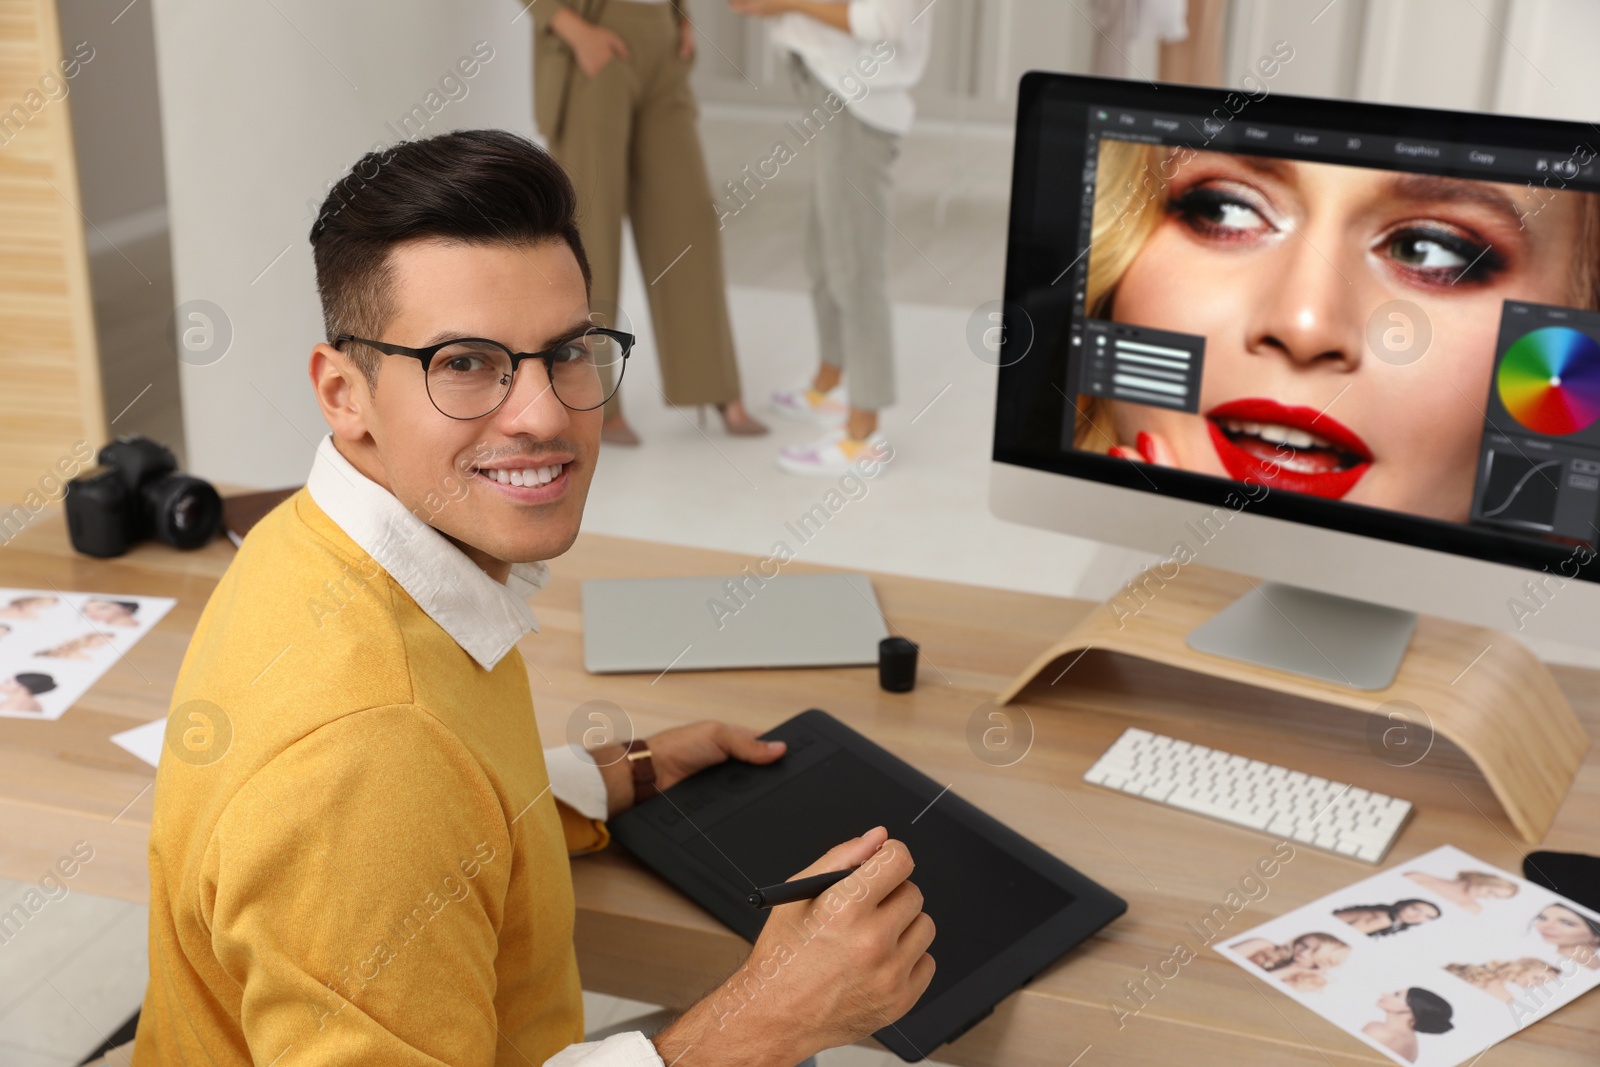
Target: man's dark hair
478,186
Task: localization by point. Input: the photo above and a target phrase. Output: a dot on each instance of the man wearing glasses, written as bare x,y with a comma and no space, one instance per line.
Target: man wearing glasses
364,860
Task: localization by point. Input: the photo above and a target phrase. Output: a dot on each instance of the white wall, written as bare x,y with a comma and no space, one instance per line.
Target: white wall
1523,56
263,105
1547,65
1326,39
116,121
1528,57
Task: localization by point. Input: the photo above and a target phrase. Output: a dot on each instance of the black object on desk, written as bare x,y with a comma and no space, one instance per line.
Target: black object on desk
1572,874
1004,908
897,664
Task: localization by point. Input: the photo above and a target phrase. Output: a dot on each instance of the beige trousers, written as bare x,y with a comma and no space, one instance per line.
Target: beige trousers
630,142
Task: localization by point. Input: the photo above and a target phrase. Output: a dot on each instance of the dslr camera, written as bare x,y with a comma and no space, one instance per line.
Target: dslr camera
137,493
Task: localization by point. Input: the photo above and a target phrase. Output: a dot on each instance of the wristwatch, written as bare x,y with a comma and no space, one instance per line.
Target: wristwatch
644,770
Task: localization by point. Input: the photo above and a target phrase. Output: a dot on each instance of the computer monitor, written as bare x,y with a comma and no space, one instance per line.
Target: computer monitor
1347,347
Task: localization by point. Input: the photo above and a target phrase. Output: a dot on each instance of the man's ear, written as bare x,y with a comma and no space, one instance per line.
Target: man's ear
342,392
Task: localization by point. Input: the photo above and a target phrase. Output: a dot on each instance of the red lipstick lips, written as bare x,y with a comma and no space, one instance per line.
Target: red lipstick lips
1293,448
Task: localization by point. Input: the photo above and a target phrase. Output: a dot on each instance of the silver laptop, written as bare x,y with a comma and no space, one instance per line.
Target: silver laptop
718,623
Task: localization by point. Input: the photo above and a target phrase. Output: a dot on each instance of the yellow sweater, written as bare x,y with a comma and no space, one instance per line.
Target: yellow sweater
355,856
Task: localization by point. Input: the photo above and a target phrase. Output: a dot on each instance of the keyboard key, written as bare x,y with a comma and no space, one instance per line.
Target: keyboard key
1157,790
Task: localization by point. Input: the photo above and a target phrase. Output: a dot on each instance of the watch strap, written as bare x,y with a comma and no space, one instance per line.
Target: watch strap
644,770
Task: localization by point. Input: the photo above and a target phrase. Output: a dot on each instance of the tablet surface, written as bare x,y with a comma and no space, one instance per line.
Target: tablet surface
1004,908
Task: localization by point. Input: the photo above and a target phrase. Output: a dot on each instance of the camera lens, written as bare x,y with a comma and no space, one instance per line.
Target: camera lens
182,511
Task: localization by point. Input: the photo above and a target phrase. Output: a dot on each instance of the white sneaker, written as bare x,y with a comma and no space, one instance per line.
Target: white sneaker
808,405
832,455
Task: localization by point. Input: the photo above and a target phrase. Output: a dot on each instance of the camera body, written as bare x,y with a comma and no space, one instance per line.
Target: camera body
137,493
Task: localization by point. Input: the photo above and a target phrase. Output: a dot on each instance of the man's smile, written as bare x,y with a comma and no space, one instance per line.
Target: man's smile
529,482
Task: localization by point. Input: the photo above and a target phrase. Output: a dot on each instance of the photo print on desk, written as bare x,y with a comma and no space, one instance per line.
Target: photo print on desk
1432,961
55,645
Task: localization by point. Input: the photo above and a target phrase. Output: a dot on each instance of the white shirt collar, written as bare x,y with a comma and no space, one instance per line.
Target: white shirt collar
485,618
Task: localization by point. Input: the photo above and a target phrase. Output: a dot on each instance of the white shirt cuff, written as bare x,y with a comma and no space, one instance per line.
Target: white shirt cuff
631,1049
576,781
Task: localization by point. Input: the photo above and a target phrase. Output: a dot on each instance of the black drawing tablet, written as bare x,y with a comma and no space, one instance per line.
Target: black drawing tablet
1004,908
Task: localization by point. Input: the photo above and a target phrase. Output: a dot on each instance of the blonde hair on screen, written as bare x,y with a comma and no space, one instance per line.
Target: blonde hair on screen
1130,200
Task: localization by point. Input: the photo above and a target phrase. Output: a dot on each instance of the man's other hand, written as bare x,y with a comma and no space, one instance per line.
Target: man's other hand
681,751
685,750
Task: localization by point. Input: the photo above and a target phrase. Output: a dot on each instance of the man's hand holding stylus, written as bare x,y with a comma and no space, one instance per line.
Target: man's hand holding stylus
824,972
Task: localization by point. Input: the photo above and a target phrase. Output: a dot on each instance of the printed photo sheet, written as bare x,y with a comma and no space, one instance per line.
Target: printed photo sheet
55,645
1430,962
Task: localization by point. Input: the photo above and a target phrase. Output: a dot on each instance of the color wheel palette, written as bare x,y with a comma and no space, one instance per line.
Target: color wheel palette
1549,380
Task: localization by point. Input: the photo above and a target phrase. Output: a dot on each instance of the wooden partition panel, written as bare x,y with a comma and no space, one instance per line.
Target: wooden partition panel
51,411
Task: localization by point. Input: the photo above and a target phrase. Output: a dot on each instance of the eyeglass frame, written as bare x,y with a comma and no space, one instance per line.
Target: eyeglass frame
425,356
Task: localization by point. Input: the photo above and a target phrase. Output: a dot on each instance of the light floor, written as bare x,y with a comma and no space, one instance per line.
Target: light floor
70,976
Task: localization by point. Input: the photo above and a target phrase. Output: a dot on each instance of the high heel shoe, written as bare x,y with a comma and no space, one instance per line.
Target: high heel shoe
748,427
617,432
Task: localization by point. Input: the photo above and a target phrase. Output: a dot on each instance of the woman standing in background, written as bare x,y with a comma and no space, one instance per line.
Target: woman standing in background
612,96
867,54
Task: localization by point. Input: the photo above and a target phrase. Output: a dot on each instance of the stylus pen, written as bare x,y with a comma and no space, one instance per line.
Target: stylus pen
799,889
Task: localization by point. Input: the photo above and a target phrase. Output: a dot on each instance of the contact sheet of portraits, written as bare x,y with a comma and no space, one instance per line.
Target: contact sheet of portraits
1432,961
54,645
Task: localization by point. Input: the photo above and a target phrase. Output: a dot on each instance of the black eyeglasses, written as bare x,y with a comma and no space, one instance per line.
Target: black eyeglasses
469,377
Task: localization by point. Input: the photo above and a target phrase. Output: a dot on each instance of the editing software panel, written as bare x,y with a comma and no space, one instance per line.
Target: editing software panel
1193,225
1137,363
1540,464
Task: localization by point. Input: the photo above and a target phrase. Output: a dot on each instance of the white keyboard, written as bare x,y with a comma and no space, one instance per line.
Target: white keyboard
1299,807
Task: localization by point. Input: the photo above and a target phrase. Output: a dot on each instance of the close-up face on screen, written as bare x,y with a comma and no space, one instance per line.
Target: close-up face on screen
1342,331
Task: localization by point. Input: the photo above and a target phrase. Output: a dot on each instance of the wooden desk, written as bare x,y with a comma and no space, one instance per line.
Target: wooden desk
64,781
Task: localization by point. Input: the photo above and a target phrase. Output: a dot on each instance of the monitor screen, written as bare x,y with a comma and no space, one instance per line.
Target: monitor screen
1383,320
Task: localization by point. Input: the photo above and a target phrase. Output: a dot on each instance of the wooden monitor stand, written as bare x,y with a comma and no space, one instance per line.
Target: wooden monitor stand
1482,689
